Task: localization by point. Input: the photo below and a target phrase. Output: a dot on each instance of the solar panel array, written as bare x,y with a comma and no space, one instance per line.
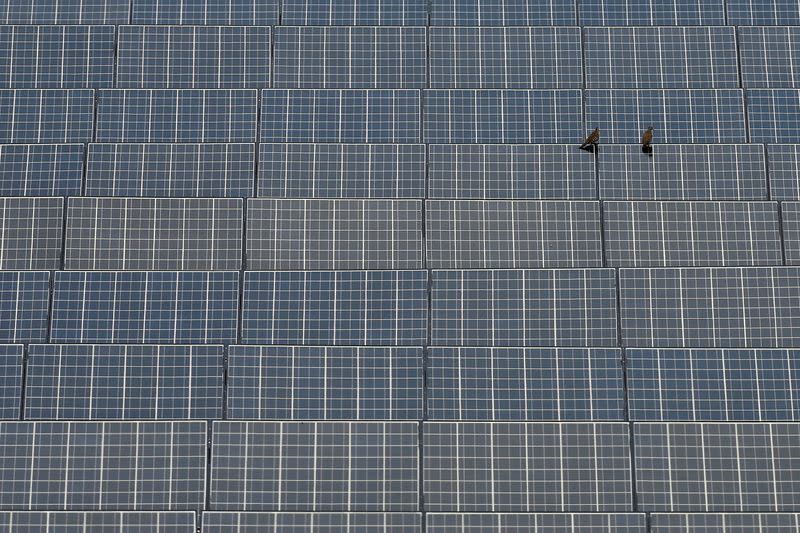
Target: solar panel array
323,265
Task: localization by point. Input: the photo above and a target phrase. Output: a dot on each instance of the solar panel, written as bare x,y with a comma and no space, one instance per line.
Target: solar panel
341,170
784,171
321,466
721,523
790,220
523,308
170,170
505,13
723,467
498,116
512,234
712,384
663,12
41,169
56,57
510,172
324,383
145,307
772,114
117,382
388,307
230,522
176,115
536,523
333,234
102,465
661,57
30,233
750,307
526,467
153,234
683,172
64,11
24,302
340,116
347,13
225,12
640,234
10,381
524,384
768,56
678,115
747,12
505,58
98,521
46,115
194,57
350,57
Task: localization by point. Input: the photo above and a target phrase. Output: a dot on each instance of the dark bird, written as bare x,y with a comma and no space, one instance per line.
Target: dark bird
591,141
647,139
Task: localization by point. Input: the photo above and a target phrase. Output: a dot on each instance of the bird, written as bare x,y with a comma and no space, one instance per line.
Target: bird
647,138
591,141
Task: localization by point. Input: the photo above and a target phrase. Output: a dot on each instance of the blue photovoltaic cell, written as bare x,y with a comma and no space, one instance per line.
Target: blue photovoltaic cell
340,116
41,169
523,307
678,116
324,466
194,57
724,522
536,523
341,170
684,172
46,115
726,307
253,522
64,11
176,115
713,384
347,307
117,382
769,12
98,521
773,114
790,221
170,170
511,172
324,383
206,12
524,384
505,13
505,58
360,13
660,13
102,465
24,302
10,380
31,233
56,57
503,116
770,56
353,57
784,171
661,58
145,307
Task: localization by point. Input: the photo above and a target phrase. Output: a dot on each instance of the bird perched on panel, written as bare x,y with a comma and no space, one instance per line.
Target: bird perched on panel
647,139
590,144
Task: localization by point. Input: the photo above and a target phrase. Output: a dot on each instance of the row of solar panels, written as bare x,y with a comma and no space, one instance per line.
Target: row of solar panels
285,234
396,116
274,522
747,307
374,466
138,382
242,57
407,12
